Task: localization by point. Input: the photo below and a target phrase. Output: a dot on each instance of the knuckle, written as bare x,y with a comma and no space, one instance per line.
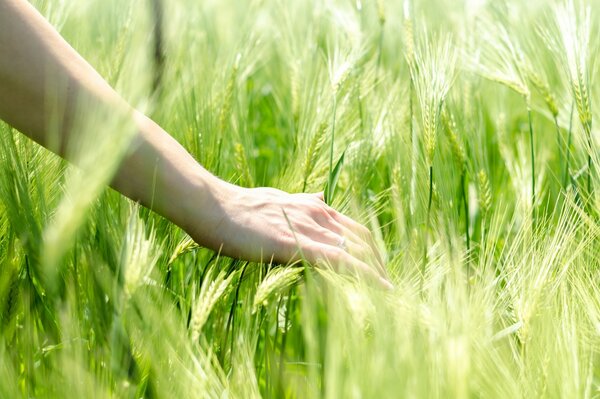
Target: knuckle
331,211
329,217
316,211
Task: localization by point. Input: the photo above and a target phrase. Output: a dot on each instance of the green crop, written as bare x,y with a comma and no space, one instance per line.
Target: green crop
460,132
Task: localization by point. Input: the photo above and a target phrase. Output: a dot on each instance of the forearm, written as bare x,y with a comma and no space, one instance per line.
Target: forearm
42,77
43,83
160,174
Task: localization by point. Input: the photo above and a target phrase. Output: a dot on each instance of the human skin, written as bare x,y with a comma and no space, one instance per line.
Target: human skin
259,224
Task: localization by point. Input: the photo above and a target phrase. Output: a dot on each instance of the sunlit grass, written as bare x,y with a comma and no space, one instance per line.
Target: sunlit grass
469,150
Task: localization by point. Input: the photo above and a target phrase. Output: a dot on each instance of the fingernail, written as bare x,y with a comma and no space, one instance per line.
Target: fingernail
386,284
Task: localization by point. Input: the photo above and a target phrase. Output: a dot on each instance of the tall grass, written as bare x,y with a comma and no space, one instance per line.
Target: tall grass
432,105
569,39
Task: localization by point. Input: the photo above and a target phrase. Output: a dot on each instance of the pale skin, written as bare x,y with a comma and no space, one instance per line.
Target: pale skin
259,224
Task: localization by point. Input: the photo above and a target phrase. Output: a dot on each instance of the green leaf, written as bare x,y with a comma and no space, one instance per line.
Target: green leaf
334,175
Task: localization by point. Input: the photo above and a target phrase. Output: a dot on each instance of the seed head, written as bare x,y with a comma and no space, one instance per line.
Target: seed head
458,151
381,12
432,73
485,193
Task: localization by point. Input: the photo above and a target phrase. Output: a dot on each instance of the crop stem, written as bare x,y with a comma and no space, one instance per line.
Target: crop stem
428,225
589,166
284,334
413,141
559,145
379,52
332,138
568,148
531,144
465,202
159,51
589,175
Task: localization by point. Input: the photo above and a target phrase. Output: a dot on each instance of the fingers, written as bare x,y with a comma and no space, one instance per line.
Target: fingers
343,262
357,246
344,234
351,230
362,232
335,235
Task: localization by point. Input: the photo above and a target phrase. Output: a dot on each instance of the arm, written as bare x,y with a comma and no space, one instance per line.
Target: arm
158,172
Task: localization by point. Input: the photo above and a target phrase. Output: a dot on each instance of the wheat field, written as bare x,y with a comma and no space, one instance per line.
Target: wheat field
468,132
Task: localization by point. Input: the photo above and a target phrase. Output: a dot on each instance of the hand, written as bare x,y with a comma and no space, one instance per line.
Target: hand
266,224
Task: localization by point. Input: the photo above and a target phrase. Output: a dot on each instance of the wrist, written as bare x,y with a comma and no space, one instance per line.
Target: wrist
204,214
